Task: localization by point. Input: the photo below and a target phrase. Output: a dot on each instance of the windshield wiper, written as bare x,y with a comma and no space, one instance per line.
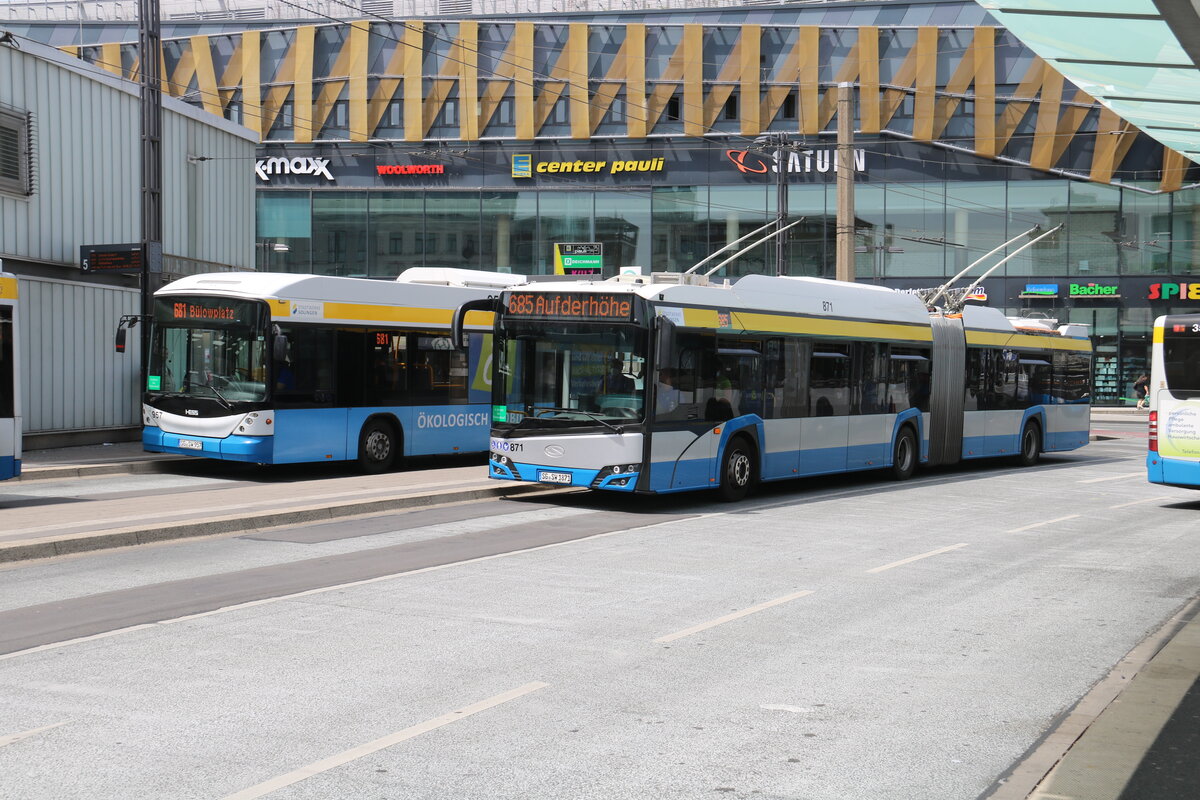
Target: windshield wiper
590,414
221,397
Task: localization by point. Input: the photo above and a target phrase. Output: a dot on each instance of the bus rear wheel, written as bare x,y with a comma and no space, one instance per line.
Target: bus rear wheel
1031,445
904,455
737,470
376,447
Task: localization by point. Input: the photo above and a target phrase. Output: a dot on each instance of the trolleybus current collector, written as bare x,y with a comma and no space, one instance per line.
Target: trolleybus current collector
284,368
660,385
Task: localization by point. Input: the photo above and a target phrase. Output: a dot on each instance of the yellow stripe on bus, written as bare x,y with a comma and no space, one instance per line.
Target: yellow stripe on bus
775,323
813,326
392,315
1026,340
890,331
8,288
1159,334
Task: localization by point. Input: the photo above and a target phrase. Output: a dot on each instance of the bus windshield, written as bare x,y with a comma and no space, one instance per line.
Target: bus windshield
567,374
209,347
1181,357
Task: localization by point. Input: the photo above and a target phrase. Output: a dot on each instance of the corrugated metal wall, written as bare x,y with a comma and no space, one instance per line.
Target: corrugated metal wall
208,205
73,377
88,172
85,161
87,187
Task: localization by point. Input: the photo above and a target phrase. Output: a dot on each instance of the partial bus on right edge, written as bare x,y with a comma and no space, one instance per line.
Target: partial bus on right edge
1174,451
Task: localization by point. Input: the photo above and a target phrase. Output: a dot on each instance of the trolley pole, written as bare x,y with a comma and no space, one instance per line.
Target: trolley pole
845,183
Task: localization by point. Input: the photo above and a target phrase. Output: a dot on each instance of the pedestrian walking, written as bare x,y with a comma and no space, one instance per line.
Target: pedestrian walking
1141,390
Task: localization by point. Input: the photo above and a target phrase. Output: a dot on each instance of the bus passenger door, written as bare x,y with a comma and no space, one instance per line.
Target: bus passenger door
824,433
870,428
683,445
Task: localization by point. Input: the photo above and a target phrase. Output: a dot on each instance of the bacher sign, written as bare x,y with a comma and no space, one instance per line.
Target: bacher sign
301,165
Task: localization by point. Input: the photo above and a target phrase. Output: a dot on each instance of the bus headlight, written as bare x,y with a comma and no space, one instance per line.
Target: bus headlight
627,473
502,464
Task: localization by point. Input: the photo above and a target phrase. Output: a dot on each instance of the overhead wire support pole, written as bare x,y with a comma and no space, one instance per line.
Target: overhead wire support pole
150,55
844,254
781,198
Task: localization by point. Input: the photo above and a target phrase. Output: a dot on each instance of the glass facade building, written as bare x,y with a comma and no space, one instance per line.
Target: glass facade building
663,136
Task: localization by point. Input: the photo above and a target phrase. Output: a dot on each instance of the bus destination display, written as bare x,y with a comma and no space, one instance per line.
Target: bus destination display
571,305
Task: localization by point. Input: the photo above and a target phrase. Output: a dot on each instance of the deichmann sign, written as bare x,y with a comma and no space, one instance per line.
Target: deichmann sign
798,162
1093,290
578,258
1174,291
523,166
317,167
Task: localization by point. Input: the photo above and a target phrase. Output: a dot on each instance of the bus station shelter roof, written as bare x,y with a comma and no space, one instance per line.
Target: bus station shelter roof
1141,58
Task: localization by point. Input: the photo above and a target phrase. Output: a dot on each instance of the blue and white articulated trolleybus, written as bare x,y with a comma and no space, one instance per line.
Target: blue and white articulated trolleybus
1174,453
283,368
10,380
652,386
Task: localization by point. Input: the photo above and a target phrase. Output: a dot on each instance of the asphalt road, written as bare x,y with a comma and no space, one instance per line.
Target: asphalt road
836,638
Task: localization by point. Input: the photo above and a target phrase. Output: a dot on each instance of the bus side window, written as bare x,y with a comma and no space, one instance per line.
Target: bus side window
386,355
437,373
306,378
795,380
909,379
870,378
829,380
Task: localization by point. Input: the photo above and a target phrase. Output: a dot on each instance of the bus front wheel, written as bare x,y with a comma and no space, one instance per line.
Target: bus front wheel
376,447
737,470
1031,445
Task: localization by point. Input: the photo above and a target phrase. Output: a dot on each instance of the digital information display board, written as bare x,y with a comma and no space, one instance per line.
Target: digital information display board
118,257
570,306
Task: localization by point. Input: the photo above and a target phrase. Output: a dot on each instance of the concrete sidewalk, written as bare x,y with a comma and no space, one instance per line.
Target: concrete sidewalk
30,532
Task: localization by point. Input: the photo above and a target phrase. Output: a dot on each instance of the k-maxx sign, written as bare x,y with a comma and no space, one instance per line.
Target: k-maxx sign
316,167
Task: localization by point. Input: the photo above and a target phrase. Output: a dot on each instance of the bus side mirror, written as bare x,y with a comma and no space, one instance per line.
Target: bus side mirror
457,337
126,322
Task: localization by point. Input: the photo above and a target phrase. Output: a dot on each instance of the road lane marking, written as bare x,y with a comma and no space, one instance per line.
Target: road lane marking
5,741
930,554
731,617
326,764
1040,524
352,584
1126,476
80,640
1147,500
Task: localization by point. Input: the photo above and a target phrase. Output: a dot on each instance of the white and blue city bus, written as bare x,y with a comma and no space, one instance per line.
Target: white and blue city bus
282,368
1174,450
666,384
10,380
